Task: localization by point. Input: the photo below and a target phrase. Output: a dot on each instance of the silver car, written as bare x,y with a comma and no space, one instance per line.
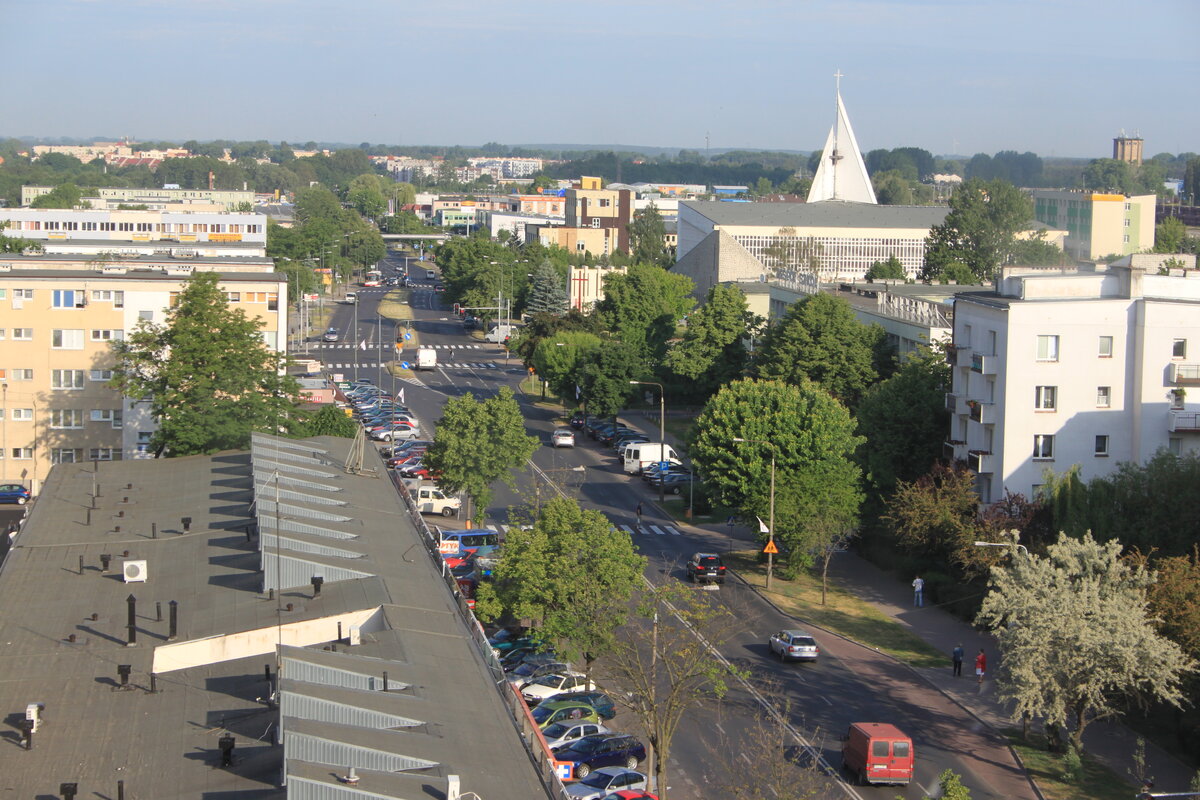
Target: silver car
797,645
558,733
602,782
563,437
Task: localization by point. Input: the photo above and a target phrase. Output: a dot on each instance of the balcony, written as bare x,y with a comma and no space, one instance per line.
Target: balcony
954,450
1183,422
983,413
953,404
1185,374
961,357
984,365
980,461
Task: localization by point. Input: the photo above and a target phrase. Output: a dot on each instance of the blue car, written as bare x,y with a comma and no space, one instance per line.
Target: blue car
14,493
601,750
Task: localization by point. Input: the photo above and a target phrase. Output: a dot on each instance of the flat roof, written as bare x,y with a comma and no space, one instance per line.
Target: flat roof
827,214
440,715
146,273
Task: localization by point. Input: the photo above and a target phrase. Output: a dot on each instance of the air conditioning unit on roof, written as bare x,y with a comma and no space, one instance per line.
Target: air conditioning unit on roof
134,571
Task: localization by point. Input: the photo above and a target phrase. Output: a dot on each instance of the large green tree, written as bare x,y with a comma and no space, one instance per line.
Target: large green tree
478,443
547,290
209,377
65,195
980,230
812,439
643,306
821,340
571,572
1076,636
712,352
604,378
558,359
647,244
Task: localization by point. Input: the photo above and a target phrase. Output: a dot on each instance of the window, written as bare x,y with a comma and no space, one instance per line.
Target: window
1127,221
115,417
108,335
66,418
22,334
65,455
66,379
1175,446
22,453
595,222
69,298
22,294
118,299
22,374
1101,445
22,415
100,375
1179,348
146,315
66,339
1047,348
273,301
1045,398
100,454
1103,396
1125,239
1043,446
1106,344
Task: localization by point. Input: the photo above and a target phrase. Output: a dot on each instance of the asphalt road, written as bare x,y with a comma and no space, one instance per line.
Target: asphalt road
848,684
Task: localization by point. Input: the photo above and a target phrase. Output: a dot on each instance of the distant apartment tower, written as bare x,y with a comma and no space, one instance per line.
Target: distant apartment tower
1080,366
1097,224
1128,148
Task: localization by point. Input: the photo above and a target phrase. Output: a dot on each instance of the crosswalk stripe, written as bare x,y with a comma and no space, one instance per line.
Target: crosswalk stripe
672,531
627,529
656,529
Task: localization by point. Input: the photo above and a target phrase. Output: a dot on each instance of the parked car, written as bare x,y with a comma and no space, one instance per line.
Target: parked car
504,641
562,732
705,567
603,704
401,449
548,685
398,431
601,750
673,482
631,794
14,493
549,713
604,781
563,437
533,669
535,655
331,335
798,645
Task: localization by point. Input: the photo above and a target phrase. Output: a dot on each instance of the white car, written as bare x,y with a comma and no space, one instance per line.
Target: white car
603,782
563,437
798,645
568,731
395,434
557,683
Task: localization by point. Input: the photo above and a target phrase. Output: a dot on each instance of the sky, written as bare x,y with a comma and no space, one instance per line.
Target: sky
1057,77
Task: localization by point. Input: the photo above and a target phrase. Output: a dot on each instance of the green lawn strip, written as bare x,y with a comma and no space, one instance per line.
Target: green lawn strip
1097,782
844,612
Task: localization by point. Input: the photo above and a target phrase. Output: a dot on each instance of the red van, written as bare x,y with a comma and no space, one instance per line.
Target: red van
876,752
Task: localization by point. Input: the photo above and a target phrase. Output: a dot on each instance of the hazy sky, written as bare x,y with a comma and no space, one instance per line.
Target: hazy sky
1059,77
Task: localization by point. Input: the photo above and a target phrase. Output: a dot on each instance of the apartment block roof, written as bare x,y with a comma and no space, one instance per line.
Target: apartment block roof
827,214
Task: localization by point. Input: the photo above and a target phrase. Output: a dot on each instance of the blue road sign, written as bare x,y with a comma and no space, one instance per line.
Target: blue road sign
404,365
729,521
664,465
407,336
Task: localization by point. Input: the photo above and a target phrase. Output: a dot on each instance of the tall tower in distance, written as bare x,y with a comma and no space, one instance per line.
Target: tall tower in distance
1128,148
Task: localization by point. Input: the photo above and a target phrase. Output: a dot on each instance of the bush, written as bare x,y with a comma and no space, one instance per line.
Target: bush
1072,765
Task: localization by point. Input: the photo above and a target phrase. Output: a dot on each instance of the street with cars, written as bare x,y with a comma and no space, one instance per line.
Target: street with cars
829,682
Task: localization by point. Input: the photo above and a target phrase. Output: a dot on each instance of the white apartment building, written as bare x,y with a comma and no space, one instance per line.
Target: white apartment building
157,198
1080,366
585,285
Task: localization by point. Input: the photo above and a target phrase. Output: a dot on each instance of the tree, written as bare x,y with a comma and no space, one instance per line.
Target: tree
327,421
936,515
980,229
547,290
712,352
811,437
643,306
666,669
904,421
950,787
1109,175
477,444
571,572
209,377
604,379
1076,636
65,195
647,243
1035,251
820,339
366,196
891,270
557,359
891,189
1169,235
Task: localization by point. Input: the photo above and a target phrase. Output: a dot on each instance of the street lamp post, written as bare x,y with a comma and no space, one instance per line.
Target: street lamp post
662,434
1013,544
771,515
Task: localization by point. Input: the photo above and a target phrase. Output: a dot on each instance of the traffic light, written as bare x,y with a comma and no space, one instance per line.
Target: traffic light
457,308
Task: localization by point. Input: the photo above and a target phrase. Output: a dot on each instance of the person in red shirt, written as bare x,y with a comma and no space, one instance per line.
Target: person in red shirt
980,664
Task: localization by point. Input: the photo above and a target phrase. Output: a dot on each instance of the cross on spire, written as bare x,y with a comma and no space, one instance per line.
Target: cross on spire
838,76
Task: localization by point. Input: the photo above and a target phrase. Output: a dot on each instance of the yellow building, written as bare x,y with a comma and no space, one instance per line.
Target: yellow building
597,241
590,206
56,325
1098,225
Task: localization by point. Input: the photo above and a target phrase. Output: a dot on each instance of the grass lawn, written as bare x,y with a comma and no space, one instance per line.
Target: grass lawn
844,613
1097,782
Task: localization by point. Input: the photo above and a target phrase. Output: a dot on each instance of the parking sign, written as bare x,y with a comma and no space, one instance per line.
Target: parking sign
664,465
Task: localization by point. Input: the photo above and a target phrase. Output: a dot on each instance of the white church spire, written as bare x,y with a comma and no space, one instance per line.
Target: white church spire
841,174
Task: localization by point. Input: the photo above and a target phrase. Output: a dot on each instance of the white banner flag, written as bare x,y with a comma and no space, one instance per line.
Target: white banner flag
762,526
401,396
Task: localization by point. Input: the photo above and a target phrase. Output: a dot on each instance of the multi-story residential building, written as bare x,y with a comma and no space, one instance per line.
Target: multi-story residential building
57,322
597,241
517,224
1098,225
131,232
507,167
156,199
1086,367
590,206
550,205
585,285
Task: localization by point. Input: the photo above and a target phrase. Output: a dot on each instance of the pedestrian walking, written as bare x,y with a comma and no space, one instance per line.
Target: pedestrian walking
639,515
918,585
957,656
981,665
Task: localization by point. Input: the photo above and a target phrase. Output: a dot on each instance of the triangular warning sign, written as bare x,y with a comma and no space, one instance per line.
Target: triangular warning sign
771,548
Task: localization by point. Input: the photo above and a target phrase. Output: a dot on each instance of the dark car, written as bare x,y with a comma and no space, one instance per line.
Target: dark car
14,493
673,482
601,750
705,568
578,419
603,704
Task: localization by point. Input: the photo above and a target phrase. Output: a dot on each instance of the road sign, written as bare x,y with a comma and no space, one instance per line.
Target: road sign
729,521
771,548
404,365
664,465
407,336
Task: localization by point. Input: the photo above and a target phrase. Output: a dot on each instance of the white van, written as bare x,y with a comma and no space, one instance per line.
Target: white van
432,500
351,298
430,275
499,334
640,456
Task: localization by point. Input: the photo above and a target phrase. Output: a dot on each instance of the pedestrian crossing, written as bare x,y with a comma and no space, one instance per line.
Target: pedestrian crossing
632,530
352,346
360,365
